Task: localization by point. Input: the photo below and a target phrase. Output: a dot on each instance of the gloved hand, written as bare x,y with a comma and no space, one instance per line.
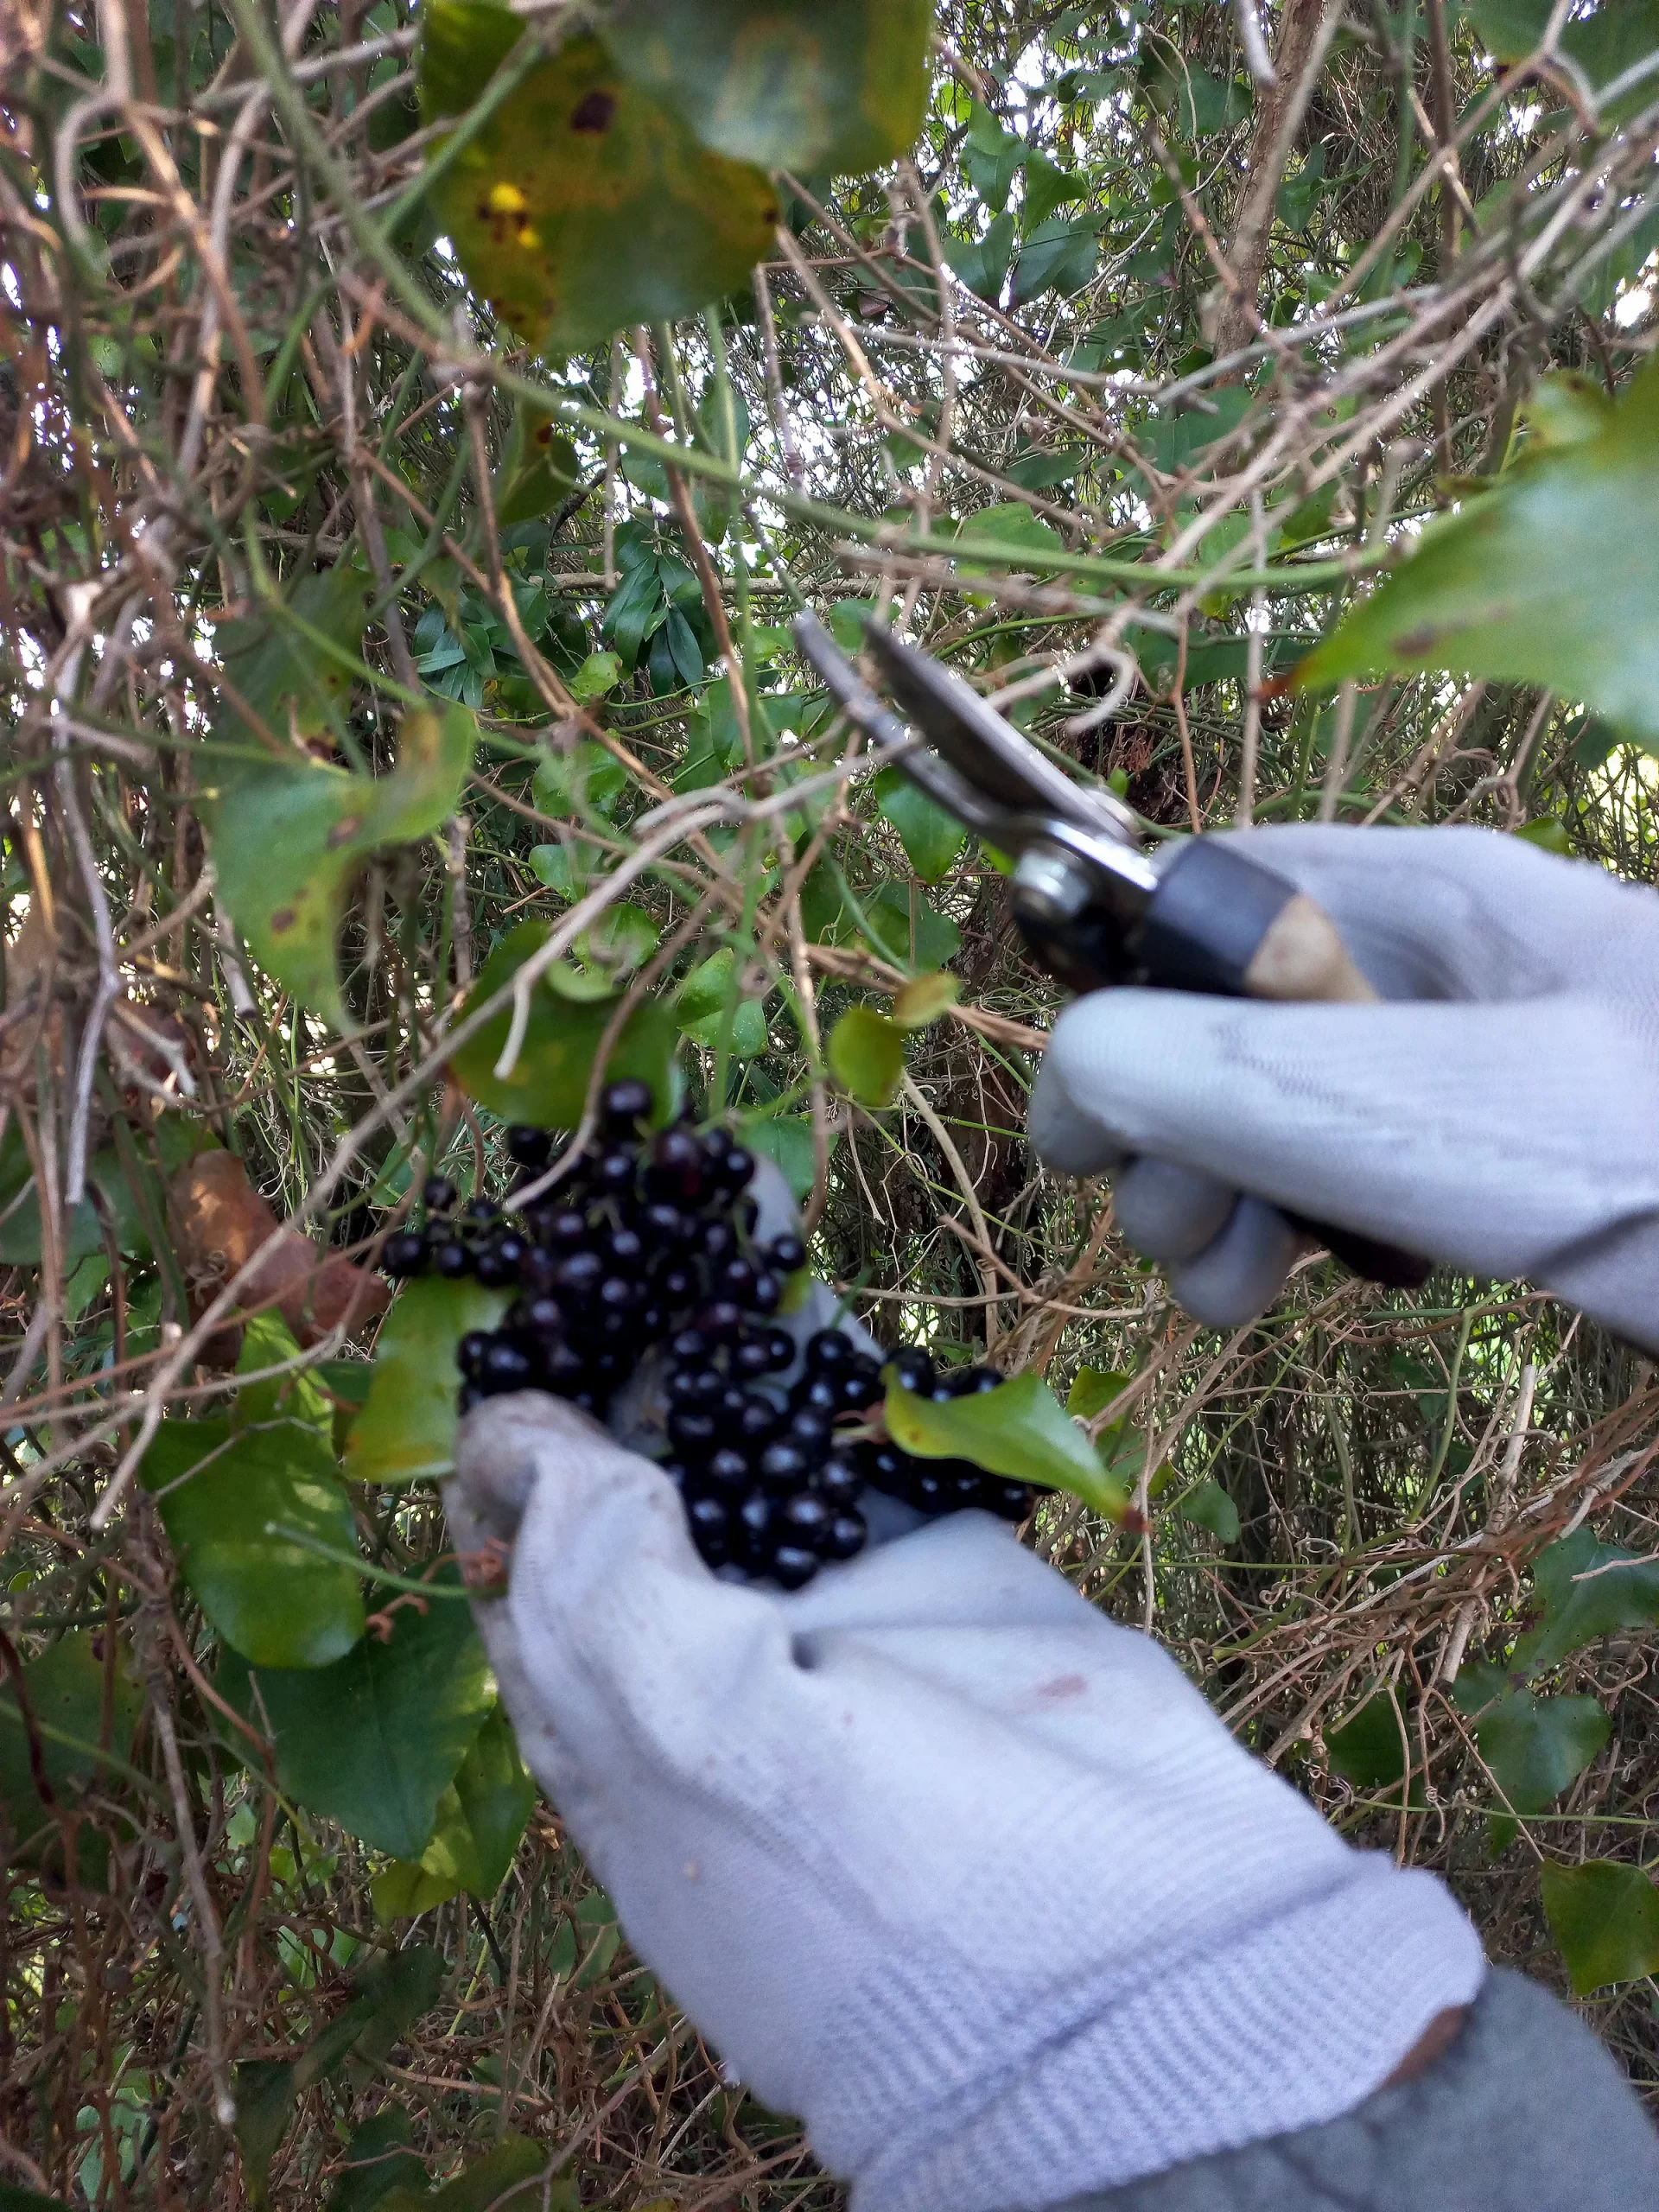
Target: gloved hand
1501,1116
938,1858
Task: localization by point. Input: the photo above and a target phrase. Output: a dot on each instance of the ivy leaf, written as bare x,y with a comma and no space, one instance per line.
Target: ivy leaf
1055,257
908,930
1587,1589
65,1686
481,1819
1368,1748
1174,441
548,1081
838,87
1549,578
925,999
379,2156
992,157
374,1740
786,1140
539,469
218,1489
700,1008
406,1431
588,780
1094,1390
1606,1919
932,837
497,2182
1049,186
1208,1506
1535,1747
286,841
274,665
582,206
983,264
1019,1429
866,1055
599,673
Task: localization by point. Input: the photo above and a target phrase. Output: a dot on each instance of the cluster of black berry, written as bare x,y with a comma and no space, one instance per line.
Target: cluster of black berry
648,1242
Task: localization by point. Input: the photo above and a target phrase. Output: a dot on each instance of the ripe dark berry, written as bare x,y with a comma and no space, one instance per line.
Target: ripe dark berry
861,1386
786,1254
615,1171
845,1537
767,1294
927,1489
736,1168
751,1357
780,1349
784,1466
626,1250
676,1172
496,1261
452,1258
821,1392
736,1280
715,1241
696,1386
757,1421
677,1284
793,1566
613,1366
469,1352
691,1348
974,1381
728,1470
885,1468
808,1432
540,1316
438,1194
967,1484
563,1370
805,1519
624,1102
482,1210
620,1294
716,1143
911,1369
535,1270
653,1319
1012,1501
665,1227
751,1529
531,1148
711,1531
504,1366
839,1484
579,1274
830,1352
693,1430
720,1320
402,1255
560,1228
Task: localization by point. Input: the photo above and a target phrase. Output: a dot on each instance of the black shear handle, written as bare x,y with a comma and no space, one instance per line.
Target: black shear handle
1219,922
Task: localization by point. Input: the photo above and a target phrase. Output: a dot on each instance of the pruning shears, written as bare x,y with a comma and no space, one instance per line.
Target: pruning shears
1088,902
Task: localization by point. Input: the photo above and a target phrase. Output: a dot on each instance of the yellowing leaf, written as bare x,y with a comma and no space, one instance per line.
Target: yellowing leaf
925,998
582,205
1019,1429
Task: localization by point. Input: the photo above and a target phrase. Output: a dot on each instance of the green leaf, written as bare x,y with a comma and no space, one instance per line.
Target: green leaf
582,206
1038,471
218,1491
992,157
866,1055
539,468
1368,1748
785,1139
1055,257
548,1081
983,264
552,865
599,673
1602,45
1549,578
481,1819
1585,1589
700,1008
909,931
400,1986
374,1740
1535,1747
587,779
265,2091
379,2158
925,999
834,86
623,937
1094,1390
406,1431
931,838
1175,442
1209,1507
1019,1429
274,668
1012,523
1549,835
65,1686
1606,1919
508,2180
1049,186
286,841
14,2199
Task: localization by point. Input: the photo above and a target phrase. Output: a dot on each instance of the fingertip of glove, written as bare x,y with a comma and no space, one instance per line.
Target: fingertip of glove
499,1449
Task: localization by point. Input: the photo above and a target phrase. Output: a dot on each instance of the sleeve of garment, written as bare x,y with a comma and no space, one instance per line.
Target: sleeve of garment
1525,2112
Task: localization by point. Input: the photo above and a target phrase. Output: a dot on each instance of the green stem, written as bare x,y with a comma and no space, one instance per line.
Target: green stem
338,1556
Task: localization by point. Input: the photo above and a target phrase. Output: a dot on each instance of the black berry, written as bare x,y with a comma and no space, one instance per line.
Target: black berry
404,1254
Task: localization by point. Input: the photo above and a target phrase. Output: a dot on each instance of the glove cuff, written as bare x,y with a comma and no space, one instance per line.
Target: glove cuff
1292,2026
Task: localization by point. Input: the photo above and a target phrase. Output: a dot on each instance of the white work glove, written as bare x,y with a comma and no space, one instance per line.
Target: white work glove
937,1856
1500,1116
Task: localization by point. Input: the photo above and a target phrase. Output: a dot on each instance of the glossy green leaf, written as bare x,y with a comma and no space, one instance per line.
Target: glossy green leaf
481,1819
286,841
1208,1507
866,1055
539,468
218,1491
1549,578
548,1080
1368,1748
1606,1919
1094,1390
786,1139
908,930
1585,1589
64,1686
992,157
815,86
925,999
700,1003
624,937
406,1431
599,673
1040,471
582,206
1535,1747
380,2157
1603,45
931,838
1019,1429
374,1740
507,2179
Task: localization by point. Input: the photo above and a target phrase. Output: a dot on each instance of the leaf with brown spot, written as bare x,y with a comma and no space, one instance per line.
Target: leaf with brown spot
582,206
287,840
